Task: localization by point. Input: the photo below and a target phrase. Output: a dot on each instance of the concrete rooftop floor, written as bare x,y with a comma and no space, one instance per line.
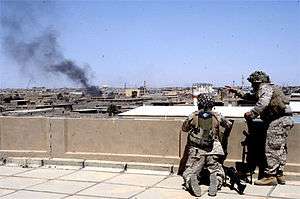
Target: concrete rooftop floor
88,183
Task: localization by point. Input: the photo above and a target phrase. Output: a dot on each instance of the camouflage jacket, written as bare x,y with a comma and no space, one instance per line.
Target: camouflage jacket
271,102
220,124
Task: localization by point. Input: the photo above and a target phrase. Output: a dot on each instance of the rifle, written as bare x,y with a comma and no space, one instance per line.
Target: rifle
234,179
244,169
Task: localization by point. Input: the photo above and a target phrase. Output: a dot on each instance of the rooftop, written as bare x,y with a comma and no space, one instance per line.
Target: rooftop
183,111
114,183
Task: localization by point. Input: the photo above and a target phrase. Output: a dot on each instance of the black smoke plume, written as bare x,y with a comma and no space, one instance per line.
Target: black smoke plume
33,46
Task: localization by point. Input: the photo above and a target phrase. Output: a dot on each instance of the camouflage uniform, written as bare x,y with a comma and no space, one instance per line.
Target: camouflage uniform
272,107
204,156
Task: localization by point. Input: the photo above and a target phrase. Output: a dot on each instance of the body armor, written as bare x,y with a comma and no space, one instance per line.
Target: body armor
277,106
201,135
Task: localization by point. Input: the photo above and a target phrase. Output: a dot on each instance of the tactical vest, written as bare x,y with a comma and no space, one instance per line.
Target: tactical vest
203,131
277,105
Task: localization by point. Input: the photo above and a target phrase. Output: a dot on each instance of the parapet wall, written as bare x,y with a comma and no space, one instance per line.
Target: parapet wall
124,140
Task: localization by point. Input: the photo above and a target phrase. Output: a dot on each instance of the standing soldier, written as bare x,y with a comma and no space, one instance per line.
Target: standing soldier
273,108
204,149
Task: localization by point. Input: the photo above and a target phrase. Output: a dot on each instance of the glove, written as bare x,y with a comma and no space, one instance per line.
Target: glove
249,115
231,90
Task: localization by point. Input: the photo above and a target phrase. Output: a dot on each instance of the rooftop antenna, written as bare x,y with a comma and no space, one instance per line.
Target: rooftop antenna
243,81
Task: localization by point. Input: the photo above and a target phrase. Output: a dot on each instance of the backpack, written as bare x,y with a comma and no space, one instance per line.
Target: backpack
202,133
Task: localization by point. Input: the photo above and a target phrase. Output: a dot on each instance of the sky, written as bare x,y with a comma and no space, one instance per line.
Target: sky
165,43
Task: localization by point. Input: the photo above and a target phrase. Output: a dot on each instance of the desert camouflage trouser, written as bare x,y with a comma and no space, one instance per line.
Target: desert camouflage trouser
276,144
197,160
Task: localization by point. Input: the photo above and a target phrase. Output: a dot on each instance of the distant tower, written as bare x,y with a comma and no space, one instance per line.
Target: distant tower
243,81
125,85
144,88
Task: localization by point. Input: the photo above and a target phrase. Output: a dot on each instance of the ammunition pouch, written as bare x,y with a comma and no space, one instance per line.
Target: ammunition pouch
201,142
277,106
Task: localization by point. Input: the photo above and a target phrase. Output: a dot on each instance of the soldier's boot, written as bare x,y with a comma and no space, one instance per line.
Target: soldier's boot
213,185
280,178
195,186
241,188
267,181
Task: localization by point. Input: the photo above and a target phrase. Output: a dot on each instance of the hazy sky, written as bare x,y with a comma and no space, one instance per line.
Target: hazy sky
165,43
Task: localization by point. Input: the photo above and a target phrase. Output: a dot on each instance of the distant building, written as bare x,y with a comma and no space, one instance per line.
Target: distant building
132,92
295,97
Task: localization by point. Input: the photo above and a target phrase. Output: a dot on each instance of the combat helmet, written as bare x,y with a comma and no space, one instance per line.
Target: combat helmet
259,77
205,101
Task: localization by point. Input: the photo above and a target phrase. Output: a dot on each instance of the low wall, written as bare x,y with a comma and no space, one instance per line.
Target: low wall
125,140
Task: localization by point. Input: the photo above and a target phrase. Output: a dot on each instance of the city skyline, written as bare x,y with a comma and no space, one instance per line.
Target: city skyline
163,43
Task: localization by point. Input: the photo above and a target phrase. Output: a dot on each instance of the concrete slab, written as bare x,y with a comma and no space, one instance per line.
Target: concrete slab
290,191
24,161
293,183
112,190
19,183
162,193
85,197
105,169
251,190
106,164
136,179
150,172
7,171
6,191
82,184
92,176
172,182
232,196
33,195
45,173
66,167
58,186
149,166
64,161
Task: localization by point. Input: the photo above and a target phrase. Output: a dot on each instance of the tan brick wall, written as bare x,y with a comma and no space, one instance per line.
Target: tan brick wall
127,140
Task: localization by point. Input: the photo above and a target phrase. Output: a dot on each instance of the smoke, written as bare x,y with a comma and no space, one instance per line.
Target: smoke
33,46
72,71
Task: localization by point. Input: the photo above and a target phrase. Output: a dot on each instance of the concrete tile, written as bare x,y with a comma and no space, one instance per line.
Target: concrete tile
231,196
57,186
66,167
19,183
290,191
112,190
293,183
251,190
172,182
162,193
105,169
149,172
93,176
33,195
136,179
5,191
45,173
7,171
85,197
